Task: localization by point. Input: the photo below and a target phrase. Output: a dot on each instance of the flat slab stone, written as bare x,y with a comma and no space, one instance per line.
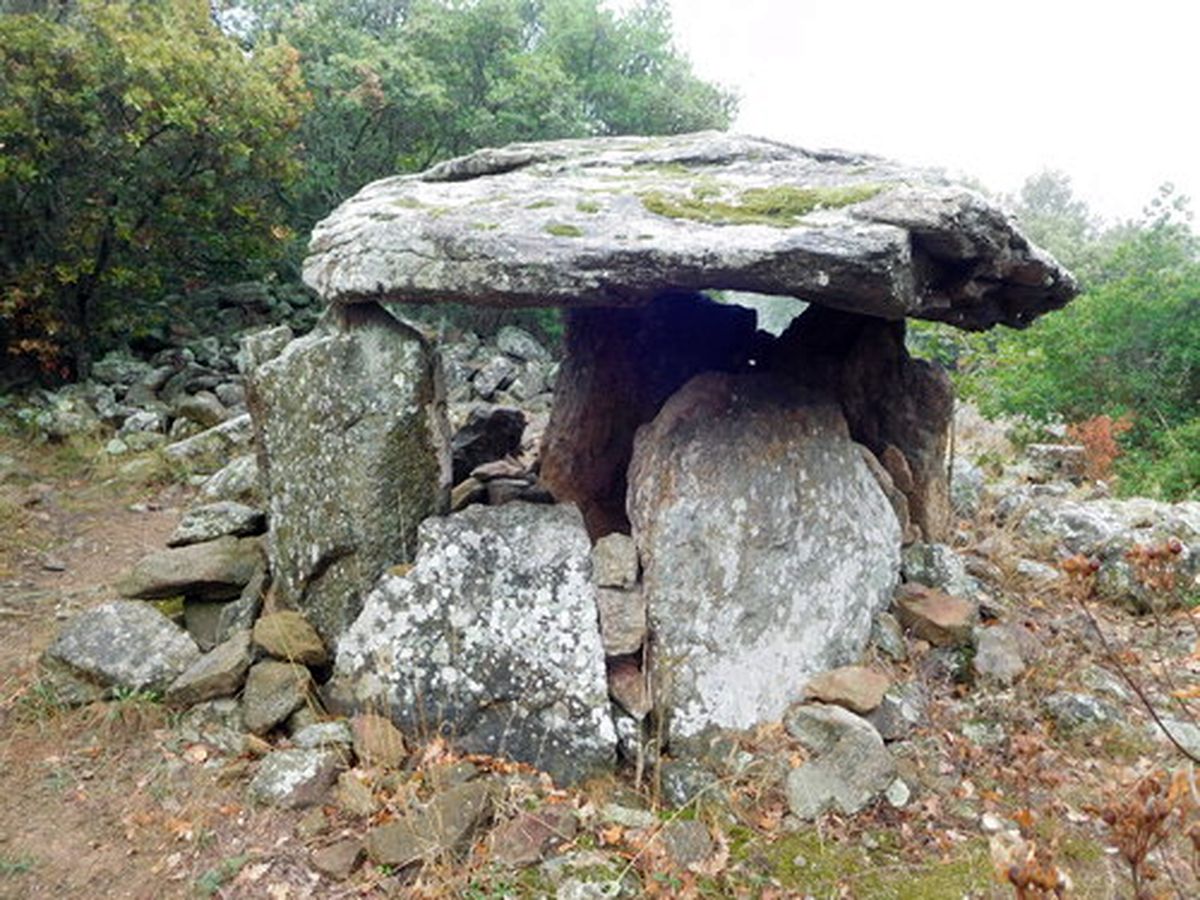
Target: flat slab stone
214,570
609,221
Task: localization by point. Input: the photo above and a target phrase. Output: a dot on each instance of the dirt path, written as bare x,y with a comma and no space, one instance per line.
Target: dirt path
105,801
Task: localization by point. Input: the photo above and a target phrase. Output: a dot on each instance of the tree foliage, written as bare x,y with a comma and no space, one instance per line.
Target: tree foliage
141,148
399,86
149,144
1128,348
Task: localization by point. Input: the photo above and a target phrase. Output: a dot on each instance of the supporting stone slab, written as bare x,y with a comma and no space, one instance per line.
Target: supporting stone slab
620,366
354,453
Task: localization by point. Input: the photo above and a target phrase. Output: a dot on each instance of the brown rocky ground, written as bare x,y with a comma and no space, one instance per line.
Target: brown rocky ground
110,801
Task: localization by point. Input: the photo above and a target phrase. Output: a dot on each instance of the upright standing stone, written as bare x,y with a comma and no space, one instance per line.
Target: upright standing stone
899,407
766,543
621,366
353,450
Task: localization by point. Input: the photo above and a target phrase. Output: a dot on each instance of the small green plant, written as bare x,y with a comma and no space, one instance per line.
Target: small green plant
211,882
540,204
11,866
560,229
588,206
40,701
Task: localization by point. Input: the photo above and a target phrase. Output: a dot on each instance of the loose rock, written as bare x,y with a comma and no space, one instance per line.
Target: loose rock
856,688
852,767
216,570
936,617
214,520
295,779
218,673
121,644
274,690
287,635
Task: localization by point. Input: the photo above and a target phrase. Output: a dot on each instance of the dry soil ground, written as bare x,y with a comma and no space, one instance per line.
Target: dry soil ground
108,801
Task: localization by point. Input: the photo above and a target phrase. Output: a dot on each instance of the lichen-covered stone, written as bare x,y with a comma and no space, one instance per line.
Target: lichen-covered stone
937,566
237,481
607,221
294,779
615,562
767,547
851,766
491,636
351,430
211,448
122,644
623,621
213,520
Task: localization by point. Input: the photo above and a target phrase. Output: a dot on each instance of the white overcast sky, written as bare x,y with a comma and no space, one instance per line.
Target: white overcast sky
1106,91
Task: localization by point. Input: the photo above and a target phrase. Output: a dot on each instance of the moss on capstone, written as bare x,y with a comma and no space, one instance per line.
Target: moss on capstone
588,206
780,206
540,204
561,229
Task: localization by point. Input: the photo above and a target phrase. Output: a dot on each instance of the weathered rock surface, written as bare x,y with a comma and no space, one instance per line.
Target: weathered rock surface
603,222
237,480
440,827
492,637
218,673
213,520
352,446
338,860
121,644
615,562
215,570
623,621
274,690
531,834
287,635
1001,653
1071,710
621,366
856,688
214,445
766,544
936,566
851,766
294,779
377,742
897,406
937,617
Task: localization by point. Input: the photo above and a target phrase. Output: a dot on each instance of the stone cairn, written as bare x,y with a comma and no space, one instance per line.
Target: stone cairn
686,527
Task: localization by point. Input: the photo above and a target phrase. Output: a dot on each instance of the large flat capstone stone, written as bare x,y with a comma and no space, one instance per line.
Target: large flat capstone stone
614,221
353,452
491,638
767,547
